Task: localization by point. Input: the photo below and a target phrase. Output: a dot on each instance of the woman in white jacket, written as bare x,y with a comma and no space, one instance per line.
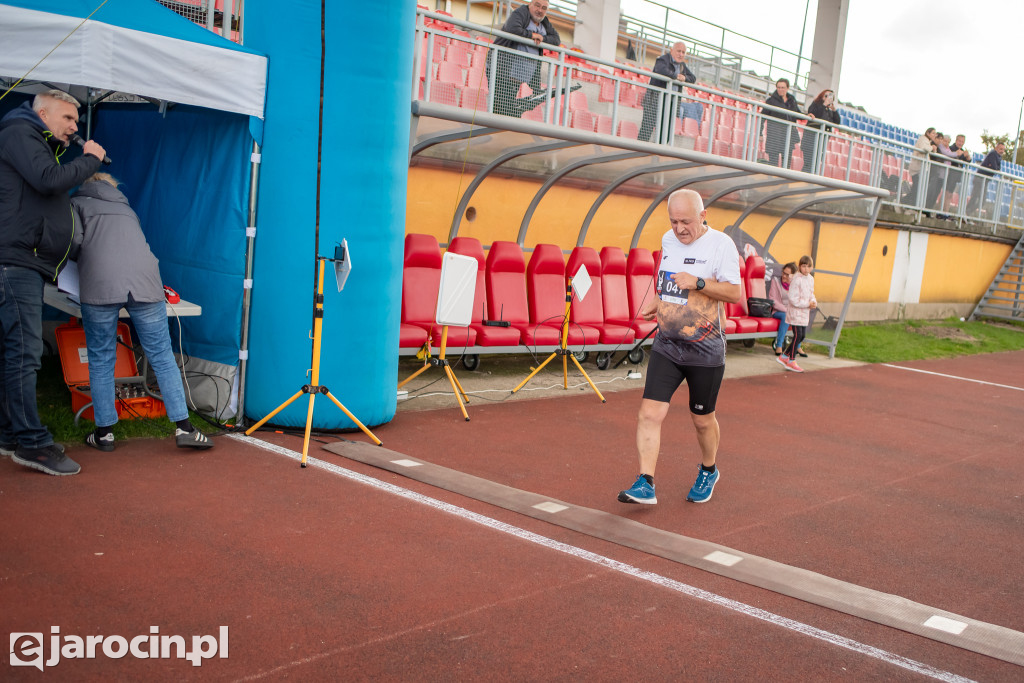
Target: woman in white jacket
798,311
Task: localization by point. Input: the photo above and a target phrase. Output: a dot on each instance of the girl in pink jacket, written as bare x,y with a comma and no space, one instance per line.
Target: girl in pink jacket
798,311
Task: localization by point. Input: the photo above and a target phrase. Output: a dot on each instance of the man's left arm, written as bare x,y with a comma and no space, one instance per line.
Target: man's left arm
687,74
552,36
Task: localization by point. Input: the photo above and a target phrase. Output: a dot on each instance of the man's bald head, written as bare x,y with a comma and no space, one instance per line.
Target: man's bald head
686,214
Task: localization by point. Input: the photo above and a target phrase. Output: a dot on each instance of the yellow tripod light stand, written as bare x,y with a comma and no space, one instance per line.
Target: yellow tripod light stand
314,387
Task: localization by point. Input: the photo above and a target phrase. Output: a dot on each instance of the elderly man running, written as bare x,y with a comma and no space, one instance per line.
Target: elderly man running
699,269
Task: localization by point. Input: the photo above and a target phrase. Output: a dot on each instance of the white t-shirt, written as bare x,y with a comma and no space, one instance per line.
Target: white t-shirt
690,322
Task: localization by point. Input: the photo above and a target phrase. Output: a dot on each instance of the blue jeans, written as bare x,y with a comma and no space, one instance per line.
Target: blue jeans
780,338
691,110
150,320
21,347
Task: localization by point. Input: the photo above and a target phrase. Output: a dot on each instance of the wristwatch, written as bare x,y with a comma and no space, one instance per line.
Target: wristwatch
700,283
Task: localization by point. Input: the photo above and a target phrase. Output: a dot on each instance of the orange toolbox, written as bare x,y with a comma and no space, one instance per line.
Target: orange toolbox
131,399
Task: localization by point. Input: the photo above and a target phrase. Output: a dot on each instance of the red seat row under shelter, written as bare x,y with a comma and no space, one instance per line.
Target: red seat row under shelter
531,297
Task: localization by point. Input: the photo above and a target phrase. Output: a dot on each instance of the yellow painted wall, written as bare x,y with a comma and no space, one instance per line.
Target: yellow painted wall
960,270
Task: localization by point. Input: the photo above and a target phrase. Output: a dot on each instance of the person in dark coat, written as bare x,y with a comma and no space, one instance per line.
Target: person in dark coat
993,161
777,132
821,112
529,22
117,270
36,230
671,65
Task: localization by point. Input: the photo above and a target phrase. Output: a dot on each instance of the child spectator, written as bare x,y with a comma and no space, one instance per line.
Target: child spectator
778,292
798,311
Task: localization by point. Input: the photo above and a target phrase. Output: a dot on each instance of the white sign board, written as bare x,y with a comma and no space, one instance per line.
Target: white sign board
581,282
458,287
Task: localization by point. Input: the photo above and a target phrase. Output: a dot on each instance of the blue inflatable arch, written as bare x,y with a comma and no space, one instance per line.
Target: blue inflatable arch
366,118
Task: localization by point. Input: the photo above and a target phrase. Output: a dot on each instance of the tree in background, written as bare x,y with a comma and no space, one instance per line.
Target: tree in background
990,141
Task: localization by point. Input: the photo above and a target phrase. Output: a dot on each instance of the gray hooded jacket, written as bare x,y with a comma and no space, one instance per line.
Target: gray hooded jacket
113,256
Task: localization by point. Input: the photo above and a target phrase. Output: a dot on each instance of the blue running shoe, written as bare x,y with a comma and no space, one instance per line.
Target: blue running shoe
640,492
704,486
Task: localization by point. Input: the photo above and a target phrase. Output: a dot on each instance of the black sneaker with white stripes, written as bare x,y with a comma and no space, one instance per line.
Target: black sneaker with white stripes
193,439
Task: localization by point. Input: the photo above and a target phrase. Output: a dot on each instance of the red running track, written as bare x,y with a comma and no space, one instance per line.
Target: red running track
898,481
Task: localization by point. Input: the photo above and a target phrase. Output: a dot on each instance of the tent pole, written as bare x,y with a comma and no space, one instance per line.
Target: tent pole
250,244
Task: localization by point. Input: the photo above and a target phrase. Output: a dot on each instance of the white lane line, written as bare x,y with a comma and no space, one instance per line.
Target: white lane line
615,565
962,379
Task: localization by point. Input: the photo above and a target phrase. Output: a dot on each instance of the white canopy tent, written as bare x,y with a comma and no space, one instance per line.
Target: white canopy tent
117,49
96,48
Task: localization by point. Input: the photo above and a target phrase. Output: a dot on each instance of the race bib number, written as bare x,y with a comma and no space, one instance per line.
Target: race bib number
669,291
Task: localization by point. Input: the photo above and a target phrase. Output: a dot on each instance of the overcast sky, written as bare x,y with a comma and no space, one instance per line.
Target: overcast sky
951,64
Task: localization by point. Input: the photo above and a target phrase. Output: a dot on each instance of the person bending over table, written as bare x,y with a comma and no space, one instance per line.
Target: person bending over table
117,270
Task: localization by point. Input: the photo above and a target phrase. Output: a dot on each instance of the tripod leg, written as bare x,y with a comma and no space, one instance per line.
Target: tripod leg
589,381
465,396
565,369
414,375
309,427
538,369
354,419
458,391
277,410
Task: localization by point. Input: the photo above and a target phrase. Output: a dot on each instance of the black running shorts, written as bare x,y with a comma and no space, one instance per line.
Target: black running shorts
664,377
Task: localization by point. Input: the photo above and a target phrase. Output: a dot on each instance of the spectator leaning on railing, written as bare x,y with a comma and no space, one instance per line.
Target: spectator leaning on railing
530,22
776,132
993,162
922,148
671,65
820,112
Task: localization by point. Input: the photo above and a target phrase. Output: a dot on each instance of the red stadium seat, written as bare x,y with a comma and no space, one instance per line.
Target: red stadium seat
476,77
421,277
459,52
617,319
737,315
583,120
640,271
473,98
578,101
607,90
450,72
486,335
691,128
753,285
506,293
545,290
628,129
444,93
738,312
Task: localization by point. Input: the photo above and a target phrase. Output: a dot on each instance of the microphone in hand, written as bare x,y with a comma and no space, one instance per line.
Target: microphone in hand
77,139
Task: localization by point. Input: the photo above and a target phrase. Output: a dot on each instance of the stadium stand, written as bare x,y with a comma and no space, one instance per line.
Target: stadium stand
863,150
